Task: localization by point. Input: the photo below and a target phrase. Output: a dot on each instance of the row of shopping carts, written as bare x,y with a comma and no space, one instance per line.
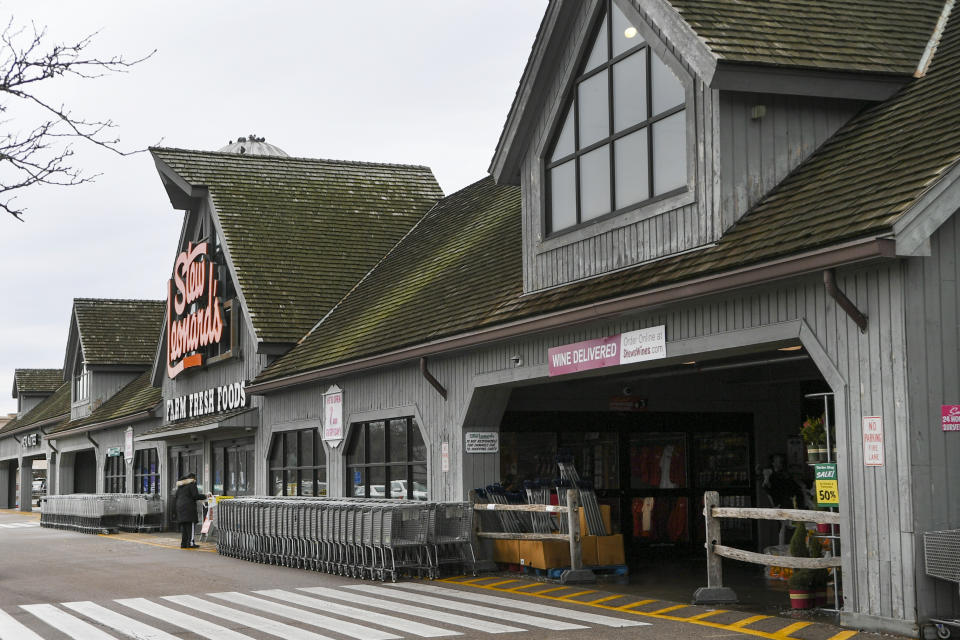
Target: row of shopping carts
102,513
359,537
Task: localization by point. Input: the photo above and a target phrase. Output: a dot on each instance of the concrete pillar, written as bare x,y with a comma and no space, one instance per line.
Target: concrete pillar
65,473
5,485
51,473
26,485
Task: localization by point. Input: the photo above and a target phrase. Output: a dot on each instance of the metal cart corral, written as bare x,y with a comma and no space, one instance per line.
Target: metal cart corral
942,560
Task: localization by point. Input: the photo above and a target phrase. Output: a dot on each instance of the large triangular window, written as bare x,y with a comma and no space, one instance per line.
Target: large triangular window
622,141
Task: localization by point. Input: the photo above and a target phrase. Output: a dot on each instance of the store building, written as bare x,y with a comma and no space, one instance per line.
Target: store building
269,245
691,237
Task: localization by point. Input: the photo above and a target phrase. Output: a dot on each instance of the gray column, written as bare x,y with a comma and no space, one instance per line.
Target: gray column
5,485
26,484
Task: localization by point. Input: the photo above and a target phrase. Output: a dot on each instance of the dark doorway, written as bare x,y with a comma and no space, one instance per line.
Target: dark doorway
13,480
85,472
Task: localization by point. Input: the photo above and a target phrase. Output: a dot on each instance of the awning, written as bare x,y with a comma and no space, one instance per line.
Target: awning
240,418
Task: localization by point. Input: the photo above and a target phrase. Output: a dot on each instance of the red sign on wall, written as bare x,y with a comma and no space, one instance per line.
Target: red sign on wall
192,287
950,417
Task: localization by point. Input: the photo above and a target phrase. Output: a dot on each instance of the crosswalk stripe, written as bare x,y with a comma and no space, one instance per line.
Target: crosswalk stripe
251,620
400,624
306,617
474,624
10,629
66,623
499,614
197,625
559,612
118,621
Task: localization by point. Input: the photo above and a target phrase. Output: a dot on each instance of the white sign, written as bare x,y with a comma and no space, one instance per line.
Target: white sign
482,442
31,440
333,416
128,445
202,403
444,457
873,441
644,344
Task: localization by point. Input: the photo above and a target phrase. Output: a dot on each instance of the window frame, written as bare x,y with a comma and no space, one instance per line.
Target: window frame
118,478
280,438
362,430
647,208
140,472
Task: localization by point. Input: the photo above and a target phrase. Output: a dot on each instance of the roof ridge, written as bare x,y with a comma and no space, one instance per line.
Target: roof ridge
118,300
245,156
931,49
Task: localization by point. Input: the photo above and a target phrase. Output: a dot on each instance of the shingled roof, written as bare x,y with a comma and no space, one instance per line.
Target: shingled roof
56,406
36,380
135,398
119,331
886,36
857,185
301,232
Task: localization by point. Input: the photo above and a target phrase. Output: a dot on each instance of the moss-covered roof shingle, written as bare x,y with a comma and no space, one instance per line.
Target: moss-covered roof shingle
885,36
138,396
302,232
36,380
56,406
459,270
123,332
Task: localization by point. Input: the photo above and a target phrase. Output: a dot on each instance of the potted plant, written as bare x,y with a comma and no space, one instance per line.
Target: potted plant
801,580
818,577
815,437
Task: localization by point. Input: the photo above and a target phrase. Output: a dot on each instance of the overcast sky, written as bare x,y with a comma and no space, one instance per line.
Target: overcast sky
418,81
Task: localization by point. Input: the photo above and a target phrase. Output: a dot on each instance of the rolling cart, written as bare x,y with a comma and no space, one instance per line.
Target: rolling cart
942,560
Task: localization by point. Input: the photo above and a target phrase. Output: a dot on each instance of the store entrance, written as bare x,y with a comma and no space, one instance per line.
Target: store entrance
233,467
38,488
85,471
184,460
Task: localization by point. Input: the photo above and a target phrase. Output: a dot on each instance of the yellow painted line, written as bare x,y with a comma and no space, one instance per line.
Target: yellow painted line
604,599
843,635
673,608
549,590
705,614
571,595
492,584
113,536
515,589
472,580
695,620
742,623
796,626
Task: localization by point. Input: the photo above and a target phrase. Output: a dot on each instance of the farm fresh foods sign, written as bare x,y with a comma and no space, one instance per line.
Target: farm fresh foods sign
623,348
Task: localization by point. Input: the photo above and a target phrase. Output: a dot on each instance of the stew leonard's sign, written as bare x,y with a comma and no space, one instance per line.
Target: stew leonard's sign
623,348
192,282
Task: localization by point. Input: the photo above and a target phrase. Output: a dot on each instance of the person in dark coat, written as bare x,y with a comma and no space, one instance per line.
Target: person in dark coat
185,505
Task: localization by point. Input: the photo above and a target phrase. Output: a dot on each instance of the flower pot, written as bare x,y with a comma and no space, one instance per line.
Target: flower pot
801,599
823,528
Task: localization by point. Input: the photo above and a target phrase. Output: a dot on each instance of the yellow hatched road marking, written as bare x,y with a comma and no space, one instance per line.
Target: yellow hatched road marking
523,586
572,595
673,608
495,584
705,614
604,599
742,623
843,635
796,626
696,620
472,580
549,590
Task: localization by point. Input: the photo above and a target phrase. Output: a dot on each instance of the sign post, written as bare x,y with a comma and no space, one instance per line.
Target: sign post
128,445
825,483
333,416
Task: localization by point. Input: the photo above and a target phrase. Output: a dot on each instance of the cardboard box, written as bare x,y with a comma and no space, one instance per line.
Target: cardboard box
604,515
506,551
610,550
588,551
544,554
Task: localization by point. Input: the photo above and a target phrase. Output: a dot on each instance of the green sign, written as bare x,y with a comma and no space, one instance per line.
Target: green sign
825,484
113,452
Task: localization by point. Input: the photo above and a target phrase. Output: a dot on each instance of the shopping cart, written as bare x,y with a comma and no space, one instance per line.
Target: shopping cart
942,560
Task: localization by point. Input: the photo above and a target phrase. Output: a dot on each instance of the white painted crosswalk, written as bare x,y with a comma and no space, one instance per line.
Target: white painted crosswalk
360,611
20,525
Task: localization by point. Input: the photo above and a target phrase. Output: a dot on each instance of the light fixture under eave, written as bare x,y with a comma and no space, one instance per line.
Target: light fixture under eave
630,32
793,348
691,362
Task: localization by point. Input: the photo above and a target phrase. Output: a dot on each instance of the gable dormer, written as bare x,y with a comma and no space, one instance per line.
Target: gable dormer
642,130
32,386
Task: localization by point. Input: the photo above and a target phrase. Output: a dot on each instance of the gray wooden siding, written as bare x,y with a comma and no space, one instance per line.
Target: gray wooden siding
675,230
26,403
756,155
103,386
869,369
933,365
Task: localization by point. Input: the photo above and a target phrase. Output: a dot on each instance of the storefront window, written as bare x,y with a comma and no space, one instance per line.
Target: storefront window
115,475
233,467
298,464
146,471
387,458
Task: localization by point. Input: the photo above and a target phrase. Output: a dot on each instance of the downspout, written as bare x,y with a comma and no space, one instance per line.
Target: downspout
49,442
830,283
429,376
94,442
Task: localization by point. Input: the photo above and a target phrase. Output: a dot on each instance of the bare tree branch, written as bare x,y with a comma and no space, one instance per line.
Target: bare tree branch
42,154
